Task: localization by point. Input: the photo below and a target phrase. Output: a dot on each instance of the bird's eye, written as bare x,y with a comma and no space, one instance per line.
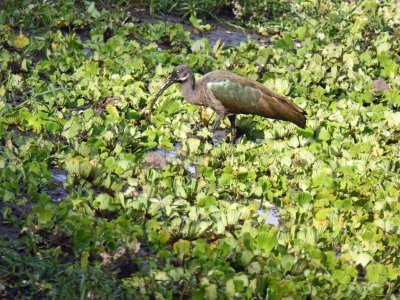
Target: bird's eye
177,72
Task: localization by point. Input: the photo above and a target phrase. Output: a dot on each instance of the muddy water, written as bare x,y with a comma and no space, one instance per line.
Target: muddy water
227,35
167,155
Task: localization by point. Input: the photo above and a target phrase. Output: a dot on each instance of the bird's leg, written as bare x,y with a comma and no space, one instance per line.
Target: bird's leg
216,123
232,119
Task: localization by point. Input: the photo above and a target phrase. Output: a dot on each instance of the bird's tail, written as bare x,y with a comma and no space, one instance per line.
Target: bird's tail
285,110
289,111
298,118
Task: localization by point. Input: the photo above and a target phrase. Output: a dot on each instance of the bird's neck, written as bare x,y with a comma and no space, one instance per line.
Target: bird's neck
189,90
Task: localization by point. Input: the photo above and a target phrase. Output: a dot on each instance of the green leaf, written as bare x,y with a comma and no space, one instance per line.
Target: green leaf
103,201
91,68
93,12
342,277
233,216
324,180
85,259
246,257
88,113
201,46
206,201
230,289
72,128
45,214
363,259
285,43
171,106
267,240
191,146
287,262
377,273
161,276
163,236
280,85
324,135
133,115
112,110
182,248
225,179
197,23
211,292
19,41
301,32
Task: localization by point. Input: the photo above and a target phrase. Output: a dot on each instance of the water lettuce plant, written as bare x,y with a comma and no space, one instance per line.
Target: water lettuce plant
151,211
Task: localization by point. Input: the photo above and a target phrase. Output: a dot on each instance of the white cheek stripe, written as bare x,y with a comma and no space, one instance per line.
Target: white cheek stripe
183,78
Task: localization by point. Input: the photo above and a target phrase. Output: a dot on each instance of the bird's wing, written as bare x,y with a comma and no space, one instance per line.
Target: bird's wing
241,95
235,96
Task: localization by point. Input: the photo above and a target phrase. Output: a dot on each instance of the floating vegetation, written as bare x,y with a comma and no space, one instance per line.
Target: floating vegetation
96,202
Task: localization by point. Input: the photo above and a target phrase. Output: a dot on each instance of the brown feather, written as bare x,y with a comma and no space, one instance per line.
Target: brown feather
269,105
228,94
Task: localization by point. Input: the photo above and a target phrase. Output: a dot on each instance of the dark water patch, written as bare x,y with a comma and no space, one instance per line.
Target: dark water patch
166,153
338,250
129,261
8,231
220,135
56,186
16,101
88,52
228,35
11,213
59,176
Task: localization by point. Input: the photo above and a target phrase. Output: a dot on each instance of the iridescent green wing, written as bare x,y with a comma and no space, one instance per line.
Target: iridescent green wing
236,97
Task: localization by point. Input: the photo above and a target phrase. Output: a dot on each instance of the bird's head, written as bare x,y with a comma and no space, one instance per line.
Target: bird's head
180,74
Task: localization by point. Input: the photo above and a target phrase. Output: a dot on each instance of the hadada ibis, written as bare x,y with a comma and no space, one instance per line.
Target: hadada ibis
229,94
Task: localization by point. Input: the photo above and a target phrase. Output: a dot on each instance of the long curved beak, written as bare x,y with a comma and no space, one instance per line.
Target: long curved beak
170,80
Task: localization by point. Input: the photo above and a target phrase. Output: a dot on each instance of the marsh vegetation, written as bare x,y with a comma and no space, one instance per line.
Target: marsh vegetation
97,203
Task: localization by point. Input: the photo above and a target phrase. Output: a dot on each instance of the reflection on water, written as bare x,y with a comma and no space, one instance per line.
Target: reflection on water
228,35
273,216
171,154
57,194
167,154
220,135
59,177
192,169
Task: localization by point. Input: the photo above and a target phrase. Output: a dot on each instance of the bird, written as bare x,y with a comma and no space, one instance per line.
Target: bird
229,94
